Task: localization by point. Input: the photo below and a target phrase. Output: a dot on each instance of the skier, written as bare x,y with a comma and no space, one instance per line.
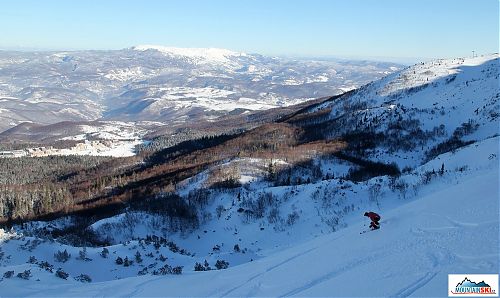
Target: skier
375,218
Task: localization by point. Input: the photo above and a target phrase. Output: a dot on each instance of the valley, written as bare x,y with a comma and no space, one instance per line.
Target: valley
164,84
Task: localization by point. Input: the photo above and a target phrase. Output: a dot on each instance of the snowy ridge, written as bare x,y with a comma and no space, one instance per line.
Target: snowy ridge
199,55
432,71
428,102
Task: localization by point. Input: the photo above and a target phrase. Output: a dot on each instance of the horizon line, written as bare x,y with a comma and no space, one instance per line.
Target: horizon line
404,60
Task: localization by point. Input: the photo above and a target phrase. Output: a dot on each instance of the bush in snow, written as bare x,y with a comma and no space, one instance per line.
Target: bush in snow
441,171
221,264
82,255
292,218
104,253
177,270
32,260
138,257
30,245
143,271
25,275
62,256
8,274
219,210
333,222
406,170
207,266
466,128
127,262
83,278
401,187
176,249
119,261
265,199
236,248
45,265
167,269
427,176
274,215
160,241
202,267
256,209
198,267
61,274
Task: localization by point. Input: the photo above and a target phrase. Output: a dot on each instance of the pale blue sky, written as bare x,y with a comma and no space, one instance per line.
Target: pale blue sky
345,28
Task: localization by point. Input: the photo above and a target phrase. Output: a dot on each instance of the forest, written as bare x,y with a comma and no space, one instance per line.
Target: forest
50,187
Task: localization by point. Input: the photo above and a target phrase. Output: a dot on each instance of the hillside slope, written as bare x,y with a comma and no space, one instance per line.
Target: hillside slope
451,229
283,203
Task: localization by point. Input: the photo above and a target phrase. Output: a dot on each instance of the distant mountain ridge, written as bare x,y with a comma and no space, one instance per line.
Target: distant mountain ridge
206,55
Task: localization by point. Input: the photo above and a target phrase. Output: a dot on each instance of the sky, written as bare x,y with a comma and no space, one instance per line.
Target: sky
301,28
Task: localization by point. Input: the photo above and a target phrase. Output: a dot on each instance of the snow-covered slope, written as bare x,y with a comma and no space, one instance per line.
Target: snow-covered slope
438,122
452,228
411,111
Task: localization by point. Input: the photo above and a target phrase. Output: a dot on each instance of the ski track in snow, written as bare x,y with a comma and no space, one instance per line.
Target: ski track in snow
266,271
140,287
415,285
334,273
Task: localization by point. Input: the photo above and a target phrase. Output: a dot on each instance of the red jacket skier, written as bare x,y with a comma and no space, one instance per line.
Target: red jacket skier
375,218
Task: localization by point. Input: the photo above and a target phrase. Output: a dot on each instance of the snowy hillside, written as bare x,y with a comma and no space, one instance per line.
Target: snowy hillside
447,229
279,211
416,110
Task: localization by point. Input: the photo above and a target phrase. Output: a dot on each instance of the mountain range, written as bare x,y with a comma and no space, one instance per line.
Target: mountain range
165,84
